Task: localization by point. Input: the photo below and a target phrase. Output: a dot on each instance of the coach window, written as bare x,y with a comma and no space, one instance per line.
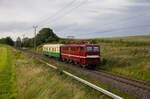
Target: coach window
89,49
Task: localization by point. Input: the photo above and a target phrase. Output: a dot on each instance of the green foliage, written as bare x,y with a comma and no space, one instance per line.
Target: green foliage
7,40
46,35
27,42
93,41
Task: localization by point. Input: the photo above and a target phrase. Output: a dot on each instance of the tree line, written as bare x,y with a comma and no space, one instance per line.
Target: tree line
7,40
45,35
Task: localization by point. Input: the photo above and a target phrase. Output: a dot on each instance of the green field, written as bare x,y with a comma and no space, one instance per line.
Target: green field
129,56
130,61
7,75
144,38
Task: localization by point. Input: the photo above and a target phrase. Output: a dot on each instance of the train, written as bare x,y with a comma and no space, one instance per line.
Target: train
85,54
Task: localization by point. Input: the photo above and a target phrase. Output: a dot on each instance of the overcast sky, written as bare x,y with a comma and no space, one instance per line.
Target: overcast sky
79,18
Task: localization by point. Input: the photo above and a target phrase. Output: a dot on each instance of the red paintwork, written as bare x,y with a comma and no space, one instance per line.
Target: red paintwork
73,52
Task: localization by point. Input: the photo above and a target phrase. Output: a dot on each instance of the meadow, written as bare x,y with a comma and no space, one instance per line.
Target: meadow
8,88
129,56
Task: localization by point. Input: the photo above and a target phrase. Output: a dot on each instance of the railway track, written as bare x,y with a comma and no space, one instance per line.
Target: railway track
142,87
126,80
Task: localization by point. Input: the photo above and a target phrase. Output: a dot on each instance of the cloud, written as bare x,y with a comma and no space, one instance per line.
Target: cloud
74,17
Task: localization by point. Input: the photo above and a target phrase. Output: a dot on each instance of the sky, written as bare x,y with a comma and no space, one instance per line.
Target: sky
78,18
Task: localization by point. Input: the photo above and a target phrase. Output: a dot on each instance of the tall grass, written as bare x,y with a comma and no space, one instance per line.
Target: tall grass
130,61
7,75
37,80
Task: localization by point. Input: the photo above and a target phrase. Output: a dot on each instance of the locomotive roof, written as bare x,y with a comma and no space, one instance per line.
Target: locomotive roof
51,45
80,44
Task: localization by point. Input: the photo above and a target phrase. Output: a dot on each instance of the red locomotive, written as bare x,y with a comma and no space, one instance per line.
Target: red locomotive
85,54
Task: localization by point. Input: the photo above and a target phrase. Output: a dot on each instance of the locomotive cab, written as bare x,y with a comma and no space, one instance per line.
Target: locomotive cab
92,54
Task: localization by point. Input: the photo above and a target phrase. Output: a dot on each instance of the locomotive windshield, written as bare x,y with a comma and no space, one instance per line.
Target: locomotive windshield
96,49
92,49
89,49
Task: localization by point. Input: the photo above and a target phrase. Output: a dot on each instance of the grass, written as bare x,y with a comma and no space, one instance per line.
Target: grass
125,41
98,83
7,75
126,59
129,56
130,61
142,38
37,80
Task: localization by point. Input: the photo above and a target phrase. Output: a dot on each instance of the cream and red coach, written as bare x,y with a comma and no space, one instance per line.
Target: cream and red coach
83,54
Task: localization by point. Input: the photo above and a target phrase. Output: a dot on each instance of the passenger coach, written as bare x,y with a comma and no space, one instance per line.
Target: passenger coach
52,50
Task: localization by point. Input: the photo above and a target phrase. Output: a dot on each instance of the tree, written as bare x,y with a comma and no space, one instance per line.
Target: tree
46,35
7,40
27,42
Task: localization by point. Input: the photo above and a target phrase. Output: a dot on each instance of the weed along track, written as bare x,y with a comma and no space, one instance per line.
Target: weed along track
135,87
